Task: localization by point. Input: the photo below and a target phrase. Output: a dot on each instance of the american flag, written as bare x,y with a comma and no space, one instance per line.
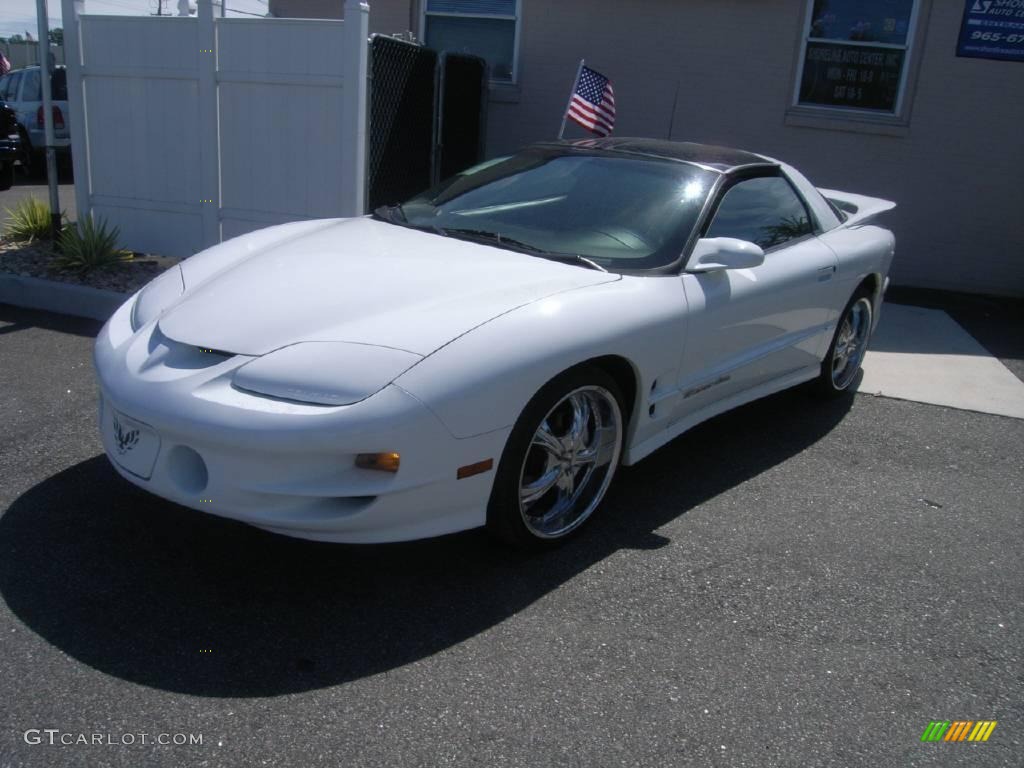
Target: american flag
593,102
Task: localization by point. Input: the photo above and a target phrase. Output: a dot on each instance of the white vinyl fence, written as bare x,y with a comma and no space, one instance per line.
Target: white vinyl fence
199,129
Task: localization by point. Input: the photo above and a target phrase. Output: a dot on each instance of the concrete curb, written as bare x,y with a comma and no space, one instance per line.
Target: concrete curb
54,296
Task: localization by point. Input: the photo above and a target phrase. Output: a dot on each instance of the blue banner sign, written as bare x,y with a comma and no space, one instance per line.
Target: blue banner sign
992,29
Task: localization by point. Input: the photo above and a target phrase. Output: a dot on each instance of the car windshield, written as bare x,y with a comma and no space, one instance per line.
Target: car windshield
616,212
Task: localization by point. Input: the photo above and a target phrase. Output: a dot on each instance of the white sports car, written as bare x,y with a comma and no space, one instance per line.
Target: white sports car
490,351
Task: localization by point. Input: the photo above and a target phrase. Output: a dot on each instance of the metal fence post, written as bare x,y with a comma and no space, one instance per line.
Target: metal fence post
45,73
353,136
209,152
437,124
73,54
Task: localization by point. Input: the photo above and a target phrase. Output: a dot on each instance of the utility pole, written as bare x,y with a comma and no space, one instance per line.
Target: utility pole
51,155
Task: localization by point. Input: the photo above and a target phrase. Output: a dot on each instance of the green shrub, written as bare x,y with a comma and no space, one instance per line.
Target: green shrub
28,220
91,245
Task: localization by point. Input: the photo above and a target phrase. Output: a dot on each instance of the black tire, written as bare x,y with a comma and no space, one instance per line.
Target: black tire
507,519
6,175
831,383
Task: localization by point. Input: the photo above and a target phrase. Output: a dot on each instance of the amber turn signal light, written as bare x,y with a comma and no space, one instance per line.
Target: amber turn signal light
474,469
383,462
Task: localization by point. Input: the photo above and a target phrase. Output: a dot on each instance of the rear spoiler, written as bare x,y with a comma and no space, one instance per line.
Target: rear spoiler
856,209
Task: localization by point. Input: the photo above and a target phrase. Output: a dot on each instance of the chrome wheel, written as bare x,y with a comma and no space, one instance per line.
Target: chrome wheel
570,461
851,343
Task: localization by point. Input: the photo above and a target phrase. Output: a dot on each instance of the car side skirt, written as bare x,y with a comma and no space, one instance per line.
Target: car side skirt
638,451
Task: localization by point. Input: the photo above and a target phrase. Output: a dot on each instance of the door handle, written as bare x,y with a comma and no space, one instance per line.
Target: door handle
825,273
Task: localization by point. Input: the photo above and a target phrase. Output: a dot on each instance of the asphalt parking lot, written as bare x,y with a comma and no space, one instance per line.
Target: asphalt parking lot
35,186
797,583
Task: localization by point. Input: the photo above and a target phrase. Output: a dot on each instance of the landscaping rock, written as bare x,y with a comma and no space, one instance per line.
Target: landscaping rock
36,260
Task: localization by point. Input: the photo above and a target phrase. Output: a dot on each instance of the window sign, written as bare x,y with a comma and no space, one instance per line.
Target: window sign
485,28
874,21
855,54
992,29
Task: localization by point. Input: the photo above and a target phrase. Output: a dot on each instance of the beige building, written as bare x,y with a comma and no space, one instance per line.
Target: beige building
867,96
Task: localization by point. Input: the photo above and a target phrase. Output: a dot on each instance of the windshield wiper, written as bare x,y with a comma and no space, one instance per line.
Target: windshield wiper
393,214
489,237
483,235
589,262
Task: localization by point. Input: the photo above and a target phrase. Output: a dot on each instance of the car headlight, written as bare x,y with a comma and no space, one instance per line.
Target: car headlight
161,292
325,372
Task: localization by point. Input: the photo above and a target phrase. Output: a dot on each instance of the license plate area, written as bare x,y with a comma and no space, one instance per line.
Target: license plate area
132,444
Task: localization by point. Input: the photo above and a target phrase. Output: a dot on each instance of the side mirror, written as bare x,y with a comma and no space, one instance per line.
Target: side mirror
714,253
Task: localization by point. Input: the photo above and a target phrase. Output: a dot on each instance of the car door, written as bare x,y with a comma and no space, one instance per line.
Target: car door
13,80
748,328
11,96
29,100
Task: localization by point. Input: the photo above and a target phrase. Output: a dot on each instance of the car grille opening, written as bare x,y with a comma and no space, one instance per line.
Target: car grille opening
220,353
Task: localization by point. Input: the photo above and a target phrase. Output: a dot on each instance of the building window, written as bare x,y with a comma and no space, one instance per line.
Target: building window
856,54
485,28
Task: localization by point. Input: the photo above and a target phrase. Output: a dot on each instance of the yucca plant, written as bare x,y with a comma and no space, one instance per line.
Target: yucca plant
88,246
29,220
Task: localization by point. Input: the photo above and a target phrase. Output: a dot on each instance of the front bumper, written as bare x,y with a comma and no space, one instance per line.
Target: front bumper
284,466
10,150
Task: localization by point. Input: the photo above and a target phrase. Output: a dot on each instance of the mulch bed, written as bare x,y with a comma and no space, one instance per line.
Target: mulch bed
36,260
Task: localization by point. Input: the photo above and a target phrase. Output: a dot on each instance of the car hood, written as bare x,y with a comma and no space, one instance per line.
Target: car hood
362,281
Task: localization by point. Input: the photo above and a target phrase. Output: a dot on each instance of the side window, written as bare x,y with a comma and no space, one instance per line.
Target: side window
3,87
765,211
31,90
11,93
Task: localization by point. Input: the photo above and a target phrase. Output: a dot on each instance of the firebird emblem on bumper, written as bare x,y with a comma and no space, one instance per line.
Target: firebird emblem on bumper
126,439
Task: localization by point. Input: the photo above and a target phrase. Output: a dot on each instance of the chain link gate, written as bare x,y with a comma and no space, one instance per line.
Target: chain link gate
426,118
462,113
403,99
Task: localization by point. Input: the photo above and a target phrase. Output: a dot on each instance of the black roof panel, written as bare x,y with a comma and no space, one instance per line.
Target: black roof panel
719,158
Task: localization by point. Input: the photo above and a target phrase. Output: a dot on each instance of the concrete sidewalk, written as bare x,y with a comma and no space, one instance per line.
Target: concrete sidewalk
925,356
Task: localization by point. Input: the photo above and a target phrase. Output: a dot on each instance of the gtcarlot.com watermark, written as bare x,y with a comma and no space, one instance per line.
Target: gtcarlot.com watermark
57,737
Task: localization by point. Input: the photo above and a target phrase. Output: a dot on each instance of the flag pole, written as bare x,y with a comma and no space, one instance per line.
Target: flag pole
565,114
672,117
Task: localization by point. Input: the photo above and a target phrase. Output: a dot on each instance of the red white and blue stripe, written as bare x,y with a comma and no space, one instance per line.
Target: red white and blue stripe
593,102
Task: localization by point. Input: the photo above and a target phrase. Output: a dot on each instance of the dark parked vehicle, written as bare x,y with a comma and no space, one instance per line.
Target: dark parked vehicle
23,92
10,145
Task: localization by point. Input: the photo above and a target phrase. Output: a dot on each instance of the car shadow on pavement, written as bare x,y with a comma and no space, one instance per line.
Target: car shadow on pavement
174,599
14,319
